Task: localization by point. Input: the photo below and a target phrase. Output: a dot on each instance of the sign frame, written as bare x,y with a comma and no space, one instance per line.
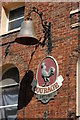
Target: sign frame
44,94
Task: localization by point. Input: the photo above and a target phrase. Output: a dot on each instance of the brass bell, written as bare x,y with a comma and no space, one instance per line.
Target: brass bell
26,35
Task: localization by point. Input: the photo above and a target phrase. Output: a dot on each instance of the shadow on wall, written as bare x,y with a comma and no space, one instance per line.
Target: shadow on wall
25,92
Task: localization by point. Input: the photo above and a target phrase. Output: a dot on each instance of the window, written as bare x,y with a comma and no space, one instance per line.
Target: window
74,15
15,18
9,89
12,16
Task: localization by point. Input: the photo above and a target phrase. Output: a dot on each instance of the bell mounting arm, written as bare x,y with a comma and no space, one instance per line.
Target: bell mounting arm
46,29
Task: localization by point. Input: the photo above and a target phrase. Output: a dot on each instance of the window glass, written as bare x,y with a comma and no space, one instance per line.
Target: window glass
14,14
16,17
9,89
15,24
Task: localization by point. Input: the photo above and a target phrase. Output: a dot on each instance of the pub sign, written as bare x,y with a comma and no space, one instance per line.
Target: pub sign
47,80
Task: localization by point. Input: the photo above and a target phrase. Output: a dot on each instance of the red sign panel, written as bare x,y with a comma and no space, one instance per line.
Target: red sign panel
47,72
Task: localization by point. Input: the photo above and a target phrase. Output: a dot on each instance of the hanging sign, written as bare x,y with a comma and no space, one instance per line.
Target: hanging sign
47,80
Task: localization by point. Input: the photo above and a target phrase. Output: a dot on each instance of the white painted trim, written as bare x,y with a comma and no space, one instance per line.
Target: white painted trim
7,22
10,85
16,19
78,87
75,25
11,31
74,11
7,106
77,90
5,16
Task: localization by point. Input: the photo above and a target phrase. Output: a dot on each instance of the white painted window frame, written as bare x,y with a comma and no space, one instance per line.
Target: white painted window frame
5,16
78,88
9,21
10,85
74,12
13,105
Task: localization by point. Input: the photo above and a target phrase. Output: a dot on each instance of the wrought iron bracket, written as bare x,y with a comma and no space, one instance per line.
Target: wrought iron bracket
46,29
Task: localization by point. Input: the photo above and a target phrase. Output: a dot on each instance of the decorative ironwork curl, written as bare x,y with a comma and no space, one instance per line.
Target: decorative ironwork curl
47,29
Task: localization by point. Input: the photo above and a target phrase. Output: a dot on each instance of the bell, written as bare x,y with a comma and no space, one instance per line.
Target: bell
26,35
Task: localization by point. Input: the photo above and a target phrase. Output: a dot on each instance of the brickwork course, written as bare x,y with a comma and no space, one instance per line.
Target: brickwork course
65,42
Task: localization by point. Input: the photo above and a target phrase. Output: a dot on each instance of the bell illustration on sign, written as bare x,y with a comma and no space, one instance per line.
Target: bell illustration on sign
47,80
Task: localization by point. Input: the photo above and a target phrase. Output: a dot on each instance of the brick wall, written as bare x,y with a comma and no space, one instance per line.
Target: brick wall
65,44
